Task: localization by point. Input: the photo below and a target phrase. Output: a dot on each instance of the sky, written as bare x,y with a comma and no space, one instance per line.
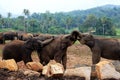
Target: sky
41,6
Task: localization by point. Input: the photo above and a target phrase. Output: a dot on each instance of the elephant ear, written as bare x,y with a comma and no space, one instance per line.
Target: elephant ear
66,41
28,44
40,43
89,40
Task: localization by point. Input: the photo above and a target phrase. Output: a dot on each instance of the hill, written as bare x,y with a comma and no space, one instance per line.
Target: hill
111,11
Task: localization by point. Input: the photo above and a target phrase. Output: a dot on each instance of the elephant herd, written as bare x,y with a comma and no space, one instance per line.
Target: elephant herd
14,35
50,47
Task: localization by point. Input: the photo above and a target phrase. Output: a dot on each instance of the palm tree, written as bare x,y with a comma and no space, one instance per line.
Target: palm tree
0,21
0,16
8,19
26,13
9,14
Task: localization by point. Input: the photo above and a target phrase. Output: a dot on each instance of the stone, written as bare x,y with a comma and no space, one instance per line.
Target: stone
57,70
9,64
53,69
106,70
46,71
116,65
35,66
80,71
31,73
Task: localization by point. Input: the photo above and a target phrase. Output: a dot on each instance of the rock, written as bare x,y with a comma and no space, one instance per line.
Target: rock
117,65
57,70
46,71
35,66
9,64
81,72
53,69
2,64
106,70
31,73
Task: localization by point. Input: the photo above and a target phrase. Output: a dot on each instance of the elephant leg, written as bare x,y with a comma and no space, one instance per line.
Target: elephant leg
96,54
41,59
61,57
58,57
3,40
44,59
27,58
64,60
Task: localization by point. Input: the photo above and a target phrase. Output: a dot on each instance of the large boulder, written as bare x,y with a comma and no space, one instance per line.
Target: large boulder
80,71
106,70
9,64
35,66
117,65
53,69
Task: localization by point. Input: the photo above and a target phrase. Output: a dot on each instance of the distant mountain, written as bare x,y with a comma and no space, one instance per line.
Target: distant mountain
111,11
98,11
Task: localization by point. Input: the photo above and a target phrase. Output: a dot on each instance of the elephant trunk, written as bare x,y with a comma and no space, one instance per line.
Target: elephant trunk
44,43
76,35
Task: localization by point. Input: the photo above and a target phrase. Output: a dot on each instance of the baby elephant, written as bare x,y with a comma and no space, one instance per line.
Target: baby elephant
22,50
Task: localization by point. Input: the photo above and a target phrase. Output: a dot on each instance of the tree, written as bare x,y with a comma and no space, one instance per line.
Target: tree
105,27
89,24
0,21
108,27
33,25
56,30
26,13
9,15
68,21
8,19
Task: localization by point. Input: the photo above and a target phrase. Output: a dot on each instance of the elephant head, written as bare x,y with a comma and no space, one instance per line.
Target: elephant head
68,40
87,39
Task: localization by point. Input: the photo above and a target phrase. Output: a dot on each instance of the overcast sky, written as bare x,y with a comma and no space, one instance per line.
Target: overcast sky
41,6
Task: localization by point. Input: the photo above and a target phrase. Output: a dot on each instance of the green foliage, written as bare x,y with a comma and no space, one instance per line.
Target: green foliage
6,29
103,20
117,31
56,30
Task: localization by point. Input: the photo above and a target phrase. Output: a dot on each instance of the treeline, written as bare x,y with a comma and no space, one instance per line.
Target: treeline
62,23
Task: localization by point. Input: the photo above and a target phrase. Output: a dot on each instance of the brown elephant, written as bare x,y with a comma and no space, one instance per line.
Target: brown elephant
22,50
101,47
25,36
57,49
35,34
43,37
1,38
9,36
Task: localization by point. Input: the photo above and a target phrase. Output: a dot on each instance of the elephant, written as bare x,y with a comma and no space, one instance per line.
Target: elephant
25,36
108,48
43,37
35,34
1,38
57,49
9,36
21,50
